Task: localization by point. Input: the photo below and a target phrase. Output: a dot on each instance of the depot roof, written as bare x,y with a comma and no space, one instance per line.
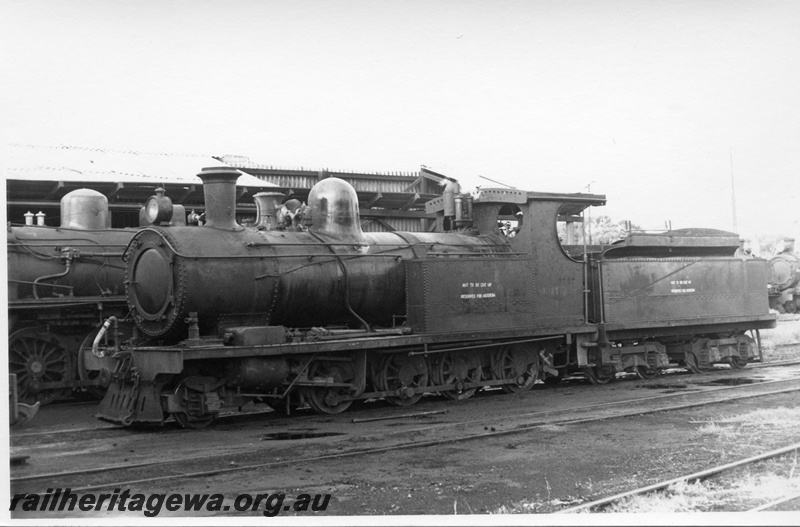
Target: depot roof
71,165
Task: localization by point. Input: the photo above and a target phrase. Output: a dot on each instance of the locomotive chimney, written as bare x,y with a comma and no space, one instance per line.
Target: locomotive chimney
219,189
267,204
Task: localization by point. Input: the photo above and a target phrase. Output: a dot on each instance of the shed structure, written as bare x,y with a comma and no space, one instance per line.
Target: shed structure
37,177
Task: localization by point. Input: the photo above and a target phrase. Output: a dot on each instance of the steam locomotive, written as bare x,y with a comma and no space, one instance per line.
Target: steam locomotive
784,279
308,309
63,282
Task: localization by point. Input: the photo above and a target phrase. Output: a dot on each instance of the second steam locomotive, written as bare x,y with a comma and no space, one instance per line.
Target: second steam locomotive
315,311
784,279
62,282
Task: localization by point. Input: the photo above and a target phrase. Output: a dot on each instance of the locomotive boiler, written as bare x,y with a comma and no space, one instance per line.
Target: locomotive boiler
311,310
330,273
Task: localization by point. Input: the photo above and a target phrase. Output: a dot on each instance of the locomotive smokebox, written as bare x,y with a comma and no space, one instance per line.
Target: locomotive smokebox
334,210
219,189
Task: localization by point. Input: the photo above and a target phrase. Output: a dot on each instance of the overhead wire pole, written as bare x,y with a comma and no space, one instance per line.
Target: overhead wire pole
733,197
589,214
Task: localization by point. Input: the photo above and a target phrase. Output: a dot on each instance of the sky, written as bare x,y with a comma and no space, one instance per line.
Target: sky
664,106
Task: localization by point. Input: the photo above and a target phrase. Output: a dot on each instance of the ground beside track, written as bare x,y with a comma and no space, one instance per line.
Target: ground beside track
537,471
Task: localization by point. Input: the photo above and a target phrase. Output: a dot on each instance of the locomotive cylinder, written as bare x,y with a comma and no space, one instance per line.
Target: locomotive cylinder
257,373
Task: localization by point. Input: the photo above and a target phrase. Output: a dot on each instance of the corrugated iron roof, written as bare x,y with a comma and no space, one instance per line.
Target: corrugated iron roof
73,164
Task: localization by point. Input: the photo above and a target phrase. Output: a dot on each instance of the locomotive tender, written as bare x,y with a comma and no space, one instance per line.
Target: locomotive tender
315,311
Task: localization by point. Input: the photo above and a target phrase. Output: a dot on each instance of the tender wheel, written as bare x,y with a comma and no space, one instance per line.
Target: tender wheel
329,400
107,362
518,364
737,363
398,372
596,374
36,357
459,369
790,306
643,372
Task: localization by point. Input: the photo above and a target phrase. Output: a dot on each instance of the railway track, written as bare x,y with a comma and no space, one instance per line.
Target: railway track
292,453
601,503
788,498
110,430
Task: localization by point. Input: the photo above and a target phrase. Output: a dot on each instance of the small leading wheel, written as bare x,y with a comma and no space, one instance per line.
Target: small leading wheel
644,372
737,363
195,394
37,357
458,369
329,400
690,361
405,373
518,364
